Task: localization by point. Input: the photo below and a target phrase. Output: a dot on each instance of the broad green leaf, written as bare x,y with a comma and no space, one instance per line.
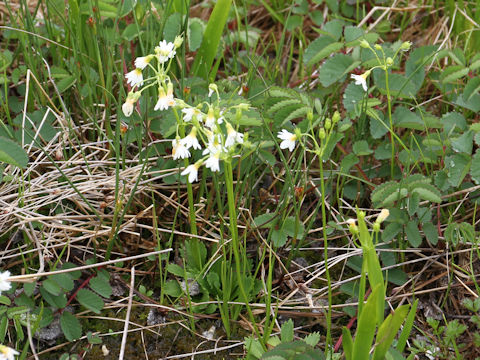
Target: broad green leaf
475,169
352,33
64,280
366,327
387,331
293,228
427,192
172,288
348,162
71,327
413,201
286,331
334,28
52,286
335,69
394,196
414,66
3,327
431,232
59,301
264,220
12,153
381,190
279,237
312,339
352,98
399,85
472,88
319,49
463,143
361,148
173,27
196,27
413,234
453,73
390,231
473,102
90,300
101,286
347,343
404,118
457,166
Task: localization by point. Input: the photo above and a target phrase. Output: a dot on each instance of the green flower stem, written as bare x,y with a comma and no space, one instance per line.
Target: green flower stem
325,256
389,104
232,211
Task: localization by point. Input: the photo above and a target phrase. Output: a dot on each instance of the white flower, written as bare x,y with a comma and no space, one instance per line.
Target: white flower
211,89
288,139
192,172
233,136
7,353
127,107
213,161
4,283
361,79
210,119
179,151
191,140
135,77
165,51
142,62
382,216
165,100
189,113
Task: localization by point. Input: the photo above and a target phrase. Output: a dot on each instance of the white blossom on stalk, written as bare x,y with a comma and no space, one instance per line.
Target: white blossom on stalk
233,136
165,51
191,140
210,120
361,79
5,284
179,151
132,98
211,89
143,61
288,139
7,353
382,216
192,171
135,77
165,100
189,113
213,161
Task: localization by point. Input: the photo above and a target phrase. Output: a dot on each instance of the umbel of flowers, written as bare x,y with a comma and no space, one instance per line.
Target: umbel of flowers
208,129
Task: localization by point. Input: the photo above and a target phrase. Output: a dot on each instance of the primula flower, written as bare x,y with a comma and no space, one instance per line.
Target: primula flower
4,283
288,139
135,77
382,216
127,107
189,113
142,62
7,353
361,79
192,171
213,161
179,151
233,136
210,120
165,51
165,100
191,140
211,89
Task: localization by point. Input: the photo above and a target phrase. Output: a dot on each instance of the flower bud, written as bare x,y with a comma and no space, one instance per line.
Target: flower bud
376,227
211,89
310,115
352,226
406,46
298,133
364,44
378,47
336,117
389,61
178,41
321,133
382,216
328,124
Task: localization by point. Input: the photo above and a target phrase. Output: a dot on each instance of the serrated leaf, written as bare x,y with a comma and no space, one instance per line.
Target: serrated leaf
348,162
457,166
431,232
386,188
196,27
475,168
279,92
300,112
335,69
71,327
352,98
413,234
361,148
395,196
472,88
453,73
279,237
173,27
12,153
404,118
52,287
319,49
286,331
292,228
59,301
282,104
427,192
101,286
172,288
264,220
463,143
413,202
414,179
64,280
90,300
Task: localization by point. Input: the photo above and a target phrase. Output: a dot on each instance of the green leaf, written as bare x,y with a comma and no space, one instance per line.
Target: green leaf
404,118
319,49
175,269
90,300
407,328
279,237
335,69
286,333
71,327
264,220
293,228
413,234
172,288
352,33
382,190
475,169
387,331
361,148
64,280
52,287
173,27
12,153
413,201
59,301
457,166
453,73
352,98
196,27
366,327
66,83
431,232
312,339
348,162
472,88
463,143
334,28
101,286
394,196
347,343
427,192
453,121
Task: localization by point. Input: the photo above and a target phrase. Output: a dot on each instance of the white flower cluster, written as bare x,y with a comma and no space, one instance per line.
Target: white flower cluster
7,353
164,53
